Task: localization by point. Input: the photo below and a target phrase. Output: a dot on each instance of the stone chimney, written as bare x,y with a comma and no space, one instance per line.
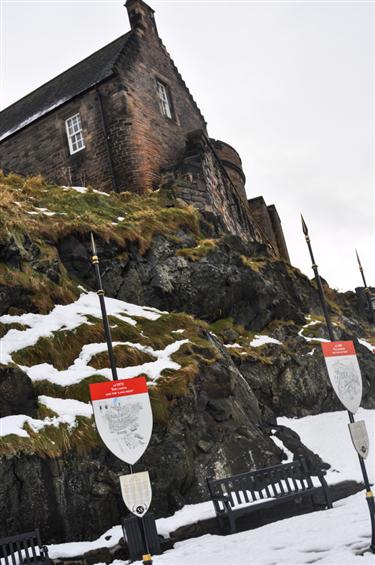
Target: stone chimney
141,17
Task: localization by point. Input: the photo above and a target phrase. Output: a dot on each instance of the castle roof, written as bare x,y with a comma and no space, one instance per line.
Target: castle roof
72,82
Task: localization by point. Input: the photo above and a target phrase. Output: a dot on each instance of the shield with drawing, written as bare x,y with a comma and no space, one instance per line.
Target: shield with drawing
123,416
344,372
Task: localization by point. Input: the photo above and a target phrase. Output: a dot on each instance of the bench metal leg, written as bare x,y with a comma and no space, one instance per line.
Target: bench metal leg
232,524
326,491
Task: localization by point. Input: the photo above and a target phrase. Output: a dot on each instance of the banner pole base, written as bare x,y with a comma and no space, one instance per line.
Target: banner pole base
147,559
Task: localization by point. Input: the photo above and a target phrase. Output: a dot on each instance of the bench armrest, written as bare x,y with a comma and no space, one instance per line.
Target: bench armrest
225,500
44,552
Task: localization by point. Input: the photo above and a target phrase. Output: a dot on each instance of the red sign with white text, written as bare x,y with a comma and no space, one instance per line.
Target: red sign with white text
334,348
112,389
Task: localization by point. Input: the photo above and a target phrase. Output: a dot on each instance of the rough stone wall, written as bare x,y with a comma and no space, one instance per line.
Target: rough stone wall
232,163
153,141
268,218
42,147
278,231
201,180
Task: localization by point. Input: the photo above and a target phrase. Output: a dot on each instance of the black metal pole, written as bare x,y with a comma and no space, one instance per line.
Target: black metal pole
369,493
147,559
100,293
367,290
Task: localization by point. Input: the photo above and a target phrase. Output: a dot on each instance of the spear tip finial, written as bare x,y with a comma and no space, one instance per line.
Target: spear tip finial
304,226
358,259
93,246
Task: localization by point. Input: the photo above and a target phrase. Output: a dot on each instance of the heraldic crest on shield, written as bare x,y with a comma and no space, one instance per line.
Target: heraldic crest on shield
346,379
123,421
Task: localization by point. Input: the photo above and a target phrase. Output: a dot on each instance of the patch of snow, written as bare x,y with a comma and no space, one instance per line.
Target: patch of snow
260,340
311,323
80,287
236,345
80,370
311,352
367,344
189,514
67,406
281,446
100,192
120,218
14,424
177,331
328,435
76,548
84,190
68,317
81,189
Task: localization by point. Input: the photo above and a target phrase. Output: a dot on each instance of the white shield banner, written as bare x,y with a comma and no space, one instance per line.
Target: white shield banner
136,492
344,372
123,416
360,439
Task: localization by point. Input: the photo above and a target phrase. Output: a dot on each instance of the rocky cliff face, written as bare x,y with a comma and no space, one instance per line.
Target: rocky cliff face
230,341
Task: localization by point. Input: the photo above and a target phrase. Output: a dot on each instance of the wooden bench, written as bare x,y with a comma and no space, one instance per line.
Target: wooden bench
24,549
248,492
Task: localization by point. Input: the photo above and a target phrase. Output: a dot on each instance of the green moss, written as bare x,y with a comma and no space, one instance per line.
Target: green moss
79,391
65,346
201,250
254,264
52,441
22,201
125,357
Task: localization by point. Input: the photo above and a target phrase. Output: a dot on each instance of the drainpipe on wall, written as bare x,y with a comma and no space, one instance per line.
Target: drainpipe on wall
106,137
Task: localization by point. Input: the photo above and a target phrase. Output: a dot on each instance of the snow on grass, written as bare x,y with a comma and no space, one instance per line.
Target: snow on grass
15,424
80,370
260,340
328,435
66,406
367,344
84,190
67,317
66,410
310,323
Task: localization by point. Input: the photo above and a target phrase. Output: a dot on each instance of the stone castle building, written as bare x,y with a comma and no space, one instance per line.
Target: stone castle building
124,119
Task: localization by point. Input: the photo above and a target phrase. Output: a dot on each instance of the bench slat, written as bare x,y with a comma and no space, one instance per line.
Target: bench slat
26,548
5,554
12,552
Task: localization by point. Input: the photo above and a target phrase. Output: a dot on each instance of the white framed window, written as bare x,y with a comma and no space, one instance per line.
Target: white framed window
74,132
164,99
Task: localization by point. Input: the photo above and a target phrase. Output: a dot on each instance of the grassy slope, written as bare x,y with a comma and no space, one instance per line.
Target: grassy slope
25,216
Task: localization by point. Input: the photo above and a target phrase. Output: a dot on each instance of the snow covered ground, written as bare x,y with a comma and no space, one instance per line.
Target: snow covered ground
328,435
336,537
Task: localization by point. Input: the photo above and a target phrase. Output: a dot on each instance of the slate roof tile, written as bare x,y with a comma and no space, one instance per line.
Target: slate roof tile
79,78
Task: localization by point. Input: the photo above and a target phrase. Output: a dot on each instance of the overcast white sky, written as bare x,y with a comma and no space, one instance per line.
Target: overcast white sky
289,84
